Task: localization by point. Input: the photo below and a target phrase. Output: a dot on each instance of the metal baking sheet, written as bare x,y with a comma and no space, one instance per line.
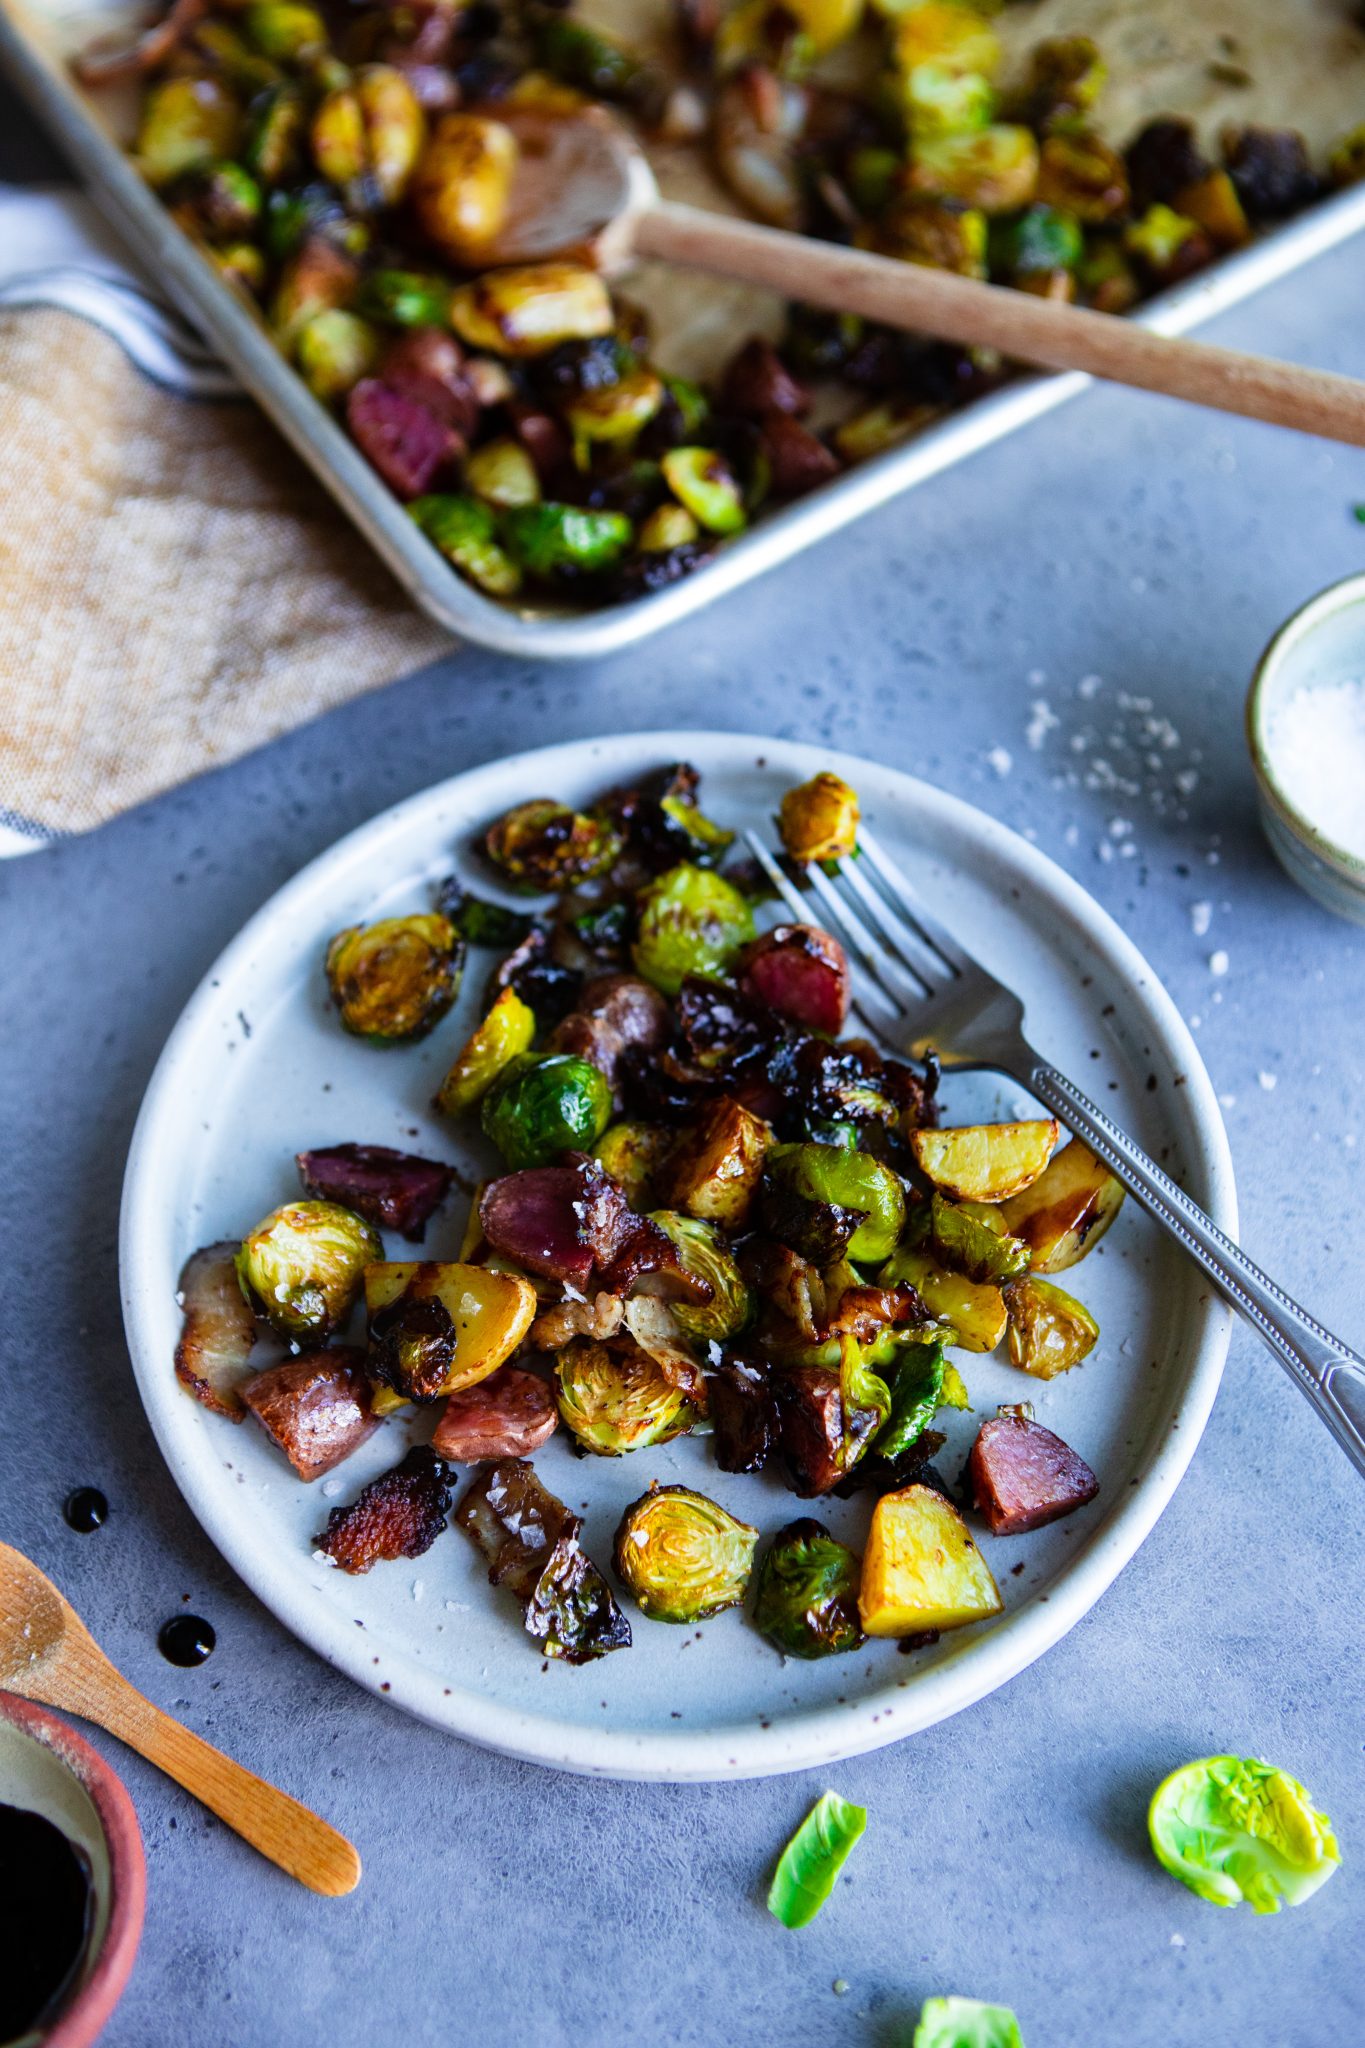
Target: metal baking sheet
1306,66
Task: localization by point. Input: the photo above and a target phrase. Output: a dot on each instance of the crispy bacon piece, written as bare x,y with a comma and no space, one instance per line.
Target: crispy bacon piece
406,442
400,1514
566,1222
802,973
819,1441
103,64
316,1408
1022,1476
508,1415
743,1410
218,1332
614,1013
397,1190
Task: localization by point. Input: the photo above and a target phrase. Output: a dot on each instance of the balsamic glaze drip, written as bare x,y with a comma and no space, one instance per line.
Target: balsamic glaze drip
85,1510
45,1900
186,1639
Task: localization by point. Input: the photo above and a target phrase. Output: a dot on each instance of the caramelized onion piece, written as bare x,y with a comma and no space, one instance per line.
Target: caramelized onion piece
218,1332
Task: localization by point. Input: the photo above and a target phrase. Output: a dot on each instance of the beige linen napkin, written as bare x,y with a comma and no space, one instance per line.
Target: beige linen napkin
175,588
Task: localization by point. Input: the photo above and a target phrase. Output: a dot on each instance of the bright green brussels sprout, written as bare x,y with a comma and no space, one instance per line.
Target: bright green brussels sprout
1233,1828
547,539
394,979
807,1601
916,1376
405,298
272,148
967,1243
702,1253
703,481
286,30
502,473
334,351
578,56
303,1267
691,922
614,1402
540,1107
682,1556
224,201
187,123
847,1179
465,532
966,2023
1041,238
545,845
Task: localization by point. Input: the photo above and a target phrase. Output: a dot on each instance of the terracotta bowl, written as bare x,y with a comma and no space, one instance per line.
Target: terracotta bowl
46,1767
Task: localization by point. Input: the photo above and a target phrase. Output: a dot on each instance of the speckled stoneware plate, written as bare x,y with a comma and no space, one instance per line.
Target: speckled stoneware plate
258,1069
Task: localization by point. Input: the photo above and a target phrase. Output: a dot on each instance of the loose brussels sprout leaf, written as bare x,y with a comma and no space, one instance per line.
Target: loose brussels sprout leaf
505,1033
419,1353
619,1402
984,1162
304,1265
921,1568
965,1244
465,532
691,922
810,1864
863,1392
548,539
1233,1828
529,1541
818,820
704,840
393,980
529,310
916,1393
633,1154
807,1601
1049,1330
538,1108
545,845
682,1556
1067,1209
976,1314
966,2023
848,1179
731,1306
702,480
716,1166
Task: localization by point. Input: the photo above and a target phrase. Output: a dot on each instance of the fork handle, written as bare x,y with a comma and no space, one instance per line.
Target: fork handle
1328,1372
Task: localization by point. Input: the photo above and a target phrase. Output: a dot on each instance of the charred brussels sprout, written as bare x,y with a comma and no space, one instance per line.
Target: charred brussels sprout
529,311
1049,1330
691,922
839,1176
551,540
529,1541
334,351
1235,1829
539,1108
702,480
223,201
613,414
633,1154
702,1254
807,1601
967,1243
273,146
504,1035
545,845
618,1402
818,820
465,532
682,1556
187,123
393,980
304,1265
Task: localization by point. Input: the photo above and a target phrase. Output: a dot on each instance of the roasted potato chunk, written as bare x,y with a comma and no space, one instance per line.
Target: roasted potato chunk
715,1172
985,1162
435,1328
976,1312
921,1568
1023,1476
1066,1210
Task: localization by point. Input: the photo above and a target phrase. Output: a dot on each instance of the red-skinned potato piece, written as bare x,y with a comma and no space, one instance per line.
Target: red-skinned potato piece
508,1415
758,382
397,1190
1023,1476
614,1012
565,1221
802,973
316,1407
217,1333
427,364
798,460
404,440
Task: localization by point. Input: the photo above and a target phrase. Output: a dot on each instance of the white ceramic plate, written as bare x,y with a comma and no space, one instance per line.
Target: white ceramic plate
258,1069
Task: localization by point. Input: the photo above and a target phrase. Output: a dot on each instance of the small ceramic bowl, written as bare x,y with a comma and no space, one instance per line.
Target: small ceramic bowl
1324,642
49,1769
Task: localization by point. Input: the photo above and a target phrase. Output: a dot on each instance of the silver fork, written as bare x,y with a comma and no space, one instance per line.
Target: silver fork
922,992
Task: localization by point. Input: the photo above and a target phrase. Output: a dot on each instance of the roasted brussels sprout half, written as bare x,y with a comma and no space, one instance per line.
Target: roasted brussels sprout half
187,123
975,1313
1080,175
550,540
965,1242
303,1267
1066,77
613,414
503,1036
463,184
529,1541
818,820
731,1306
807,1599
465,531
615,1402
1165,244
939,100
393,980
1049,1330
665,528
634,1154
703,481
1212,203
502,474
842,1177
993,169
545,845
529,311
1235,1829
682,1556
538,1108
334,351
692,921
480,922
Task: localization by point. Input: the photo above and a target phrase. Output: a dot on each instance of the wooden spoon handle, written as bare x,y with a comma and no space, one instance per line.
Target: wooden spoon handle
1044,332
288,1833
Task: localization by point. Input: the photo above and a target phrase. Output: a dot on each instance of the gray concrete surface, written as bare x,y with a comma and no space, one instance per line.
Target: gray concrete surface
1125,539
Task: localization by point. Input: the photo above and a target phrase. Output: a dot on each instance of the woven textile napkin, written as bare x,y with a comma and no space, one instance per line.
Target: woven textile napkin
175,588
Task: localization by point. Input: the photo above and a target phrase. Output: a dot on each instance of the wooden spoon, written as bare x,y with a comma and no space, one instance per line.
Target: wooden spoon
583,187
48,1654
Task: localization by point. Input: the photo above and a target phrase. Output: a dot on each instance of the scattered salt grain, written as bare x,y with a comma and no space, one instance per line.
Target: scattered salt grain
1089,686
1218,962
1177,1941
1041,722
1228,1101
1267,1080
1316,742
1201,916
332,1487
1001,760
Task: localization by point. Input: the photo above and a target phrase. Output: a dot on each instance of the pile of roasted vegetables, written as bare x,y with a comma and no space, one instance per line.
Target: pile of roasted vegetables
714,1215
345,167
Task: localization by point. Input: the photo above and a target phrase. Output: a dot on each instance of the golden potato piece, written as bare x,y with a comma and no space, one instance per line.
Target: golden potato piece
921,1569
491,1312
715,1173
1066,1211
985,1162
975,1309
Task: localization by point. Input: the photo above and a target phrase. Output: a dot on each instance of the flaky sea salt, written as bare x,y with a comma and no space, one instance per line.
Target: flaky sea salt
1316,743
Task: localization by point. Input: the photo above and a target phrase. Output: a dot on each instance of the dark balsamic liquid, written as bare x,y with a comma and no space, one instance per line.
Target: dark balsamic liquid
186,1640
45,1898
85,1510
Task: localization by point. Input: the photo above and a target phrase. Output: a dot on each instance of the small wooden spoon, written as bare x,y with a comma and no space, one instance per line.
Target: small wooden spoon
583,187
48,1654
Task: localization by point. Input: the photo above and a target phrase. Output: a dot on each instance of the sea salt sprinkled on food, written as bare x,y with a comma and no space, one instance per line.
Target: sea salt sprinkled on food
1316,743
1218,962
1201,916
1267,1080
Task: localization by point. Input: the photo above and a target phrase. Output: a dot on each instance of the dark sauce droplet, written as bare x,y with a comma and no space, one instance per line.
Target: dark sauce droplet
187,1639
85,1510
45,1901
